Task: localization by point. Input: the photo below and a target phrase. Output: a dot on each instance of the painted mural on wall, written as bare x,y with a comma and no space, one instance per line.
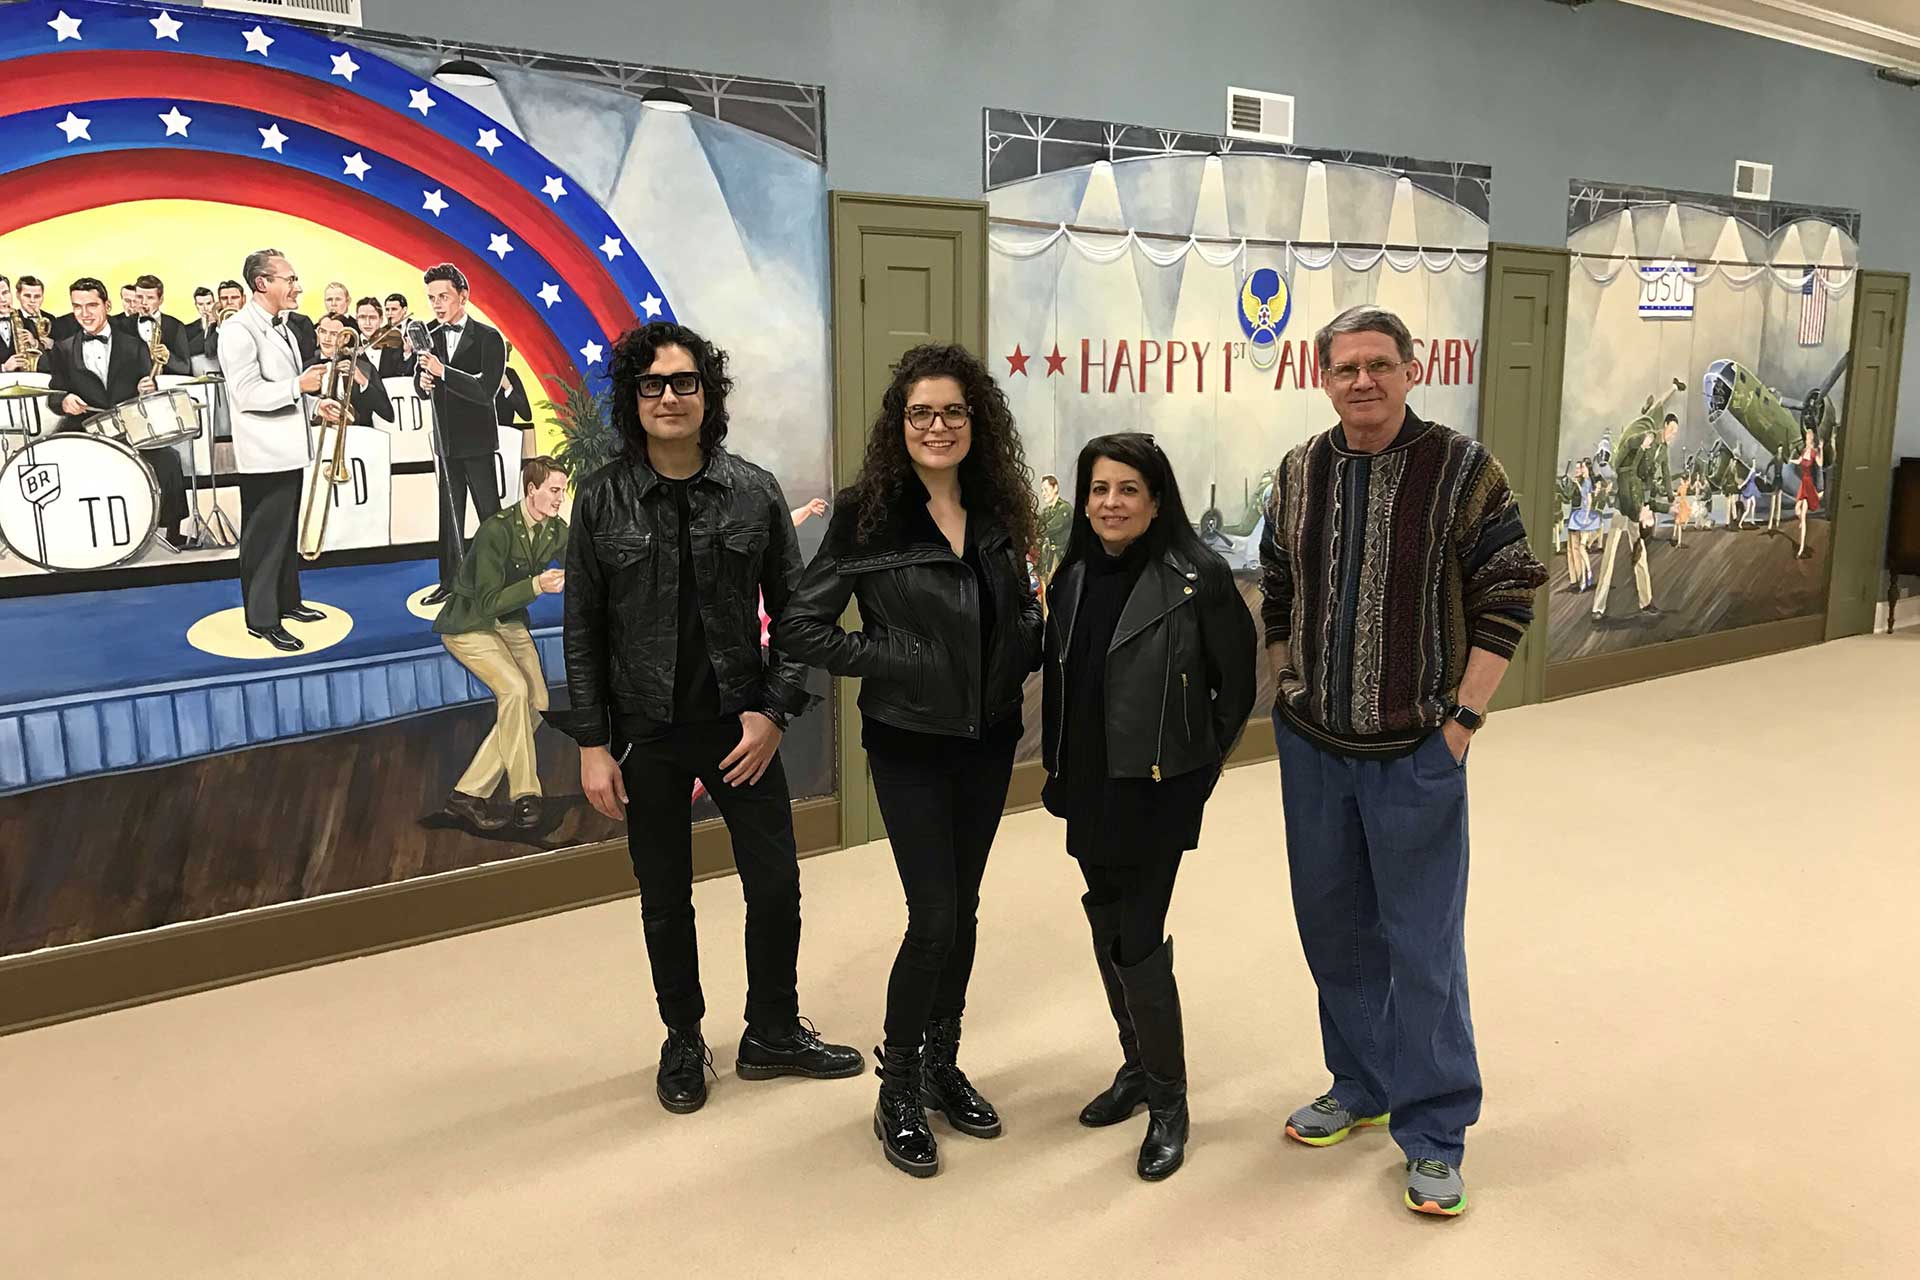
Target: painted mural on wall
1151,280
1707,346
169,749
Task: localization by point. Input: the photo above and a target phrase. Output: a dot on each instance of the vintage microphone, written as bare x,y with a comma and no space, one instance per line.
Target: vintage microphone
419,336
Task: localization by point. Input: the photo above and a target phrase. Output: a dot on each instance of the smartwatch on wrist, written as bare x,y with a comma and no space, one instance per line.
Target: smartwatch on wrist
1468,718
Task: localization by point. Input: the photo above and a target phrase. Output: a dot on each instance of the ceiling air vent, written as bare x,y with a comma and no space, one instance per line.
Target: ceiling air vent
1753,180
1267,117
334,13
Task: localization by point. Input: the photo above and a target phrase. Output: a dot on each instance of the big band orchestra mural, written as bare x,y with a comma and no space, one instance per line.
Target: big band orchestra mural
167,752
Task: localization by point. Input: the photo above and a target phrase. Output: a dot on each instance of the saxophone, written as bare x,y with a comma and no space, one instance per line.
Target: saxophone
32,336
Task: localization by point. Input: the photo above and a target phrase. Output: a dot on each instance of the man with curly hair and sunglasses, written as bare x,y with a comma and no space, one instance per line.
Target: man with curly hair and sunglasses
674,546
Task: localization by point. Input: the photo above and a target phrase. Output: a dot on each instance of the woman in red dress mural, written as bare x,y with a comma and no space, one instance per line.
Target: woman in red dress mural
1808,497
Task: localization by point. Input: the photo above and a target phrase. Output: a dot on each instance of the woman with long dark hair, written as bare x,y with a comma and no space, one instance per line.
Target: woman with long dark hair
1149,681
931,540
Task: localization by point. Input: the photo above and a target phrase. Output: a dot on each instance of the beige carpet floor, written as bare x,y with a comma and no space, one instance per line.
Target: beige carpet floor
1691,936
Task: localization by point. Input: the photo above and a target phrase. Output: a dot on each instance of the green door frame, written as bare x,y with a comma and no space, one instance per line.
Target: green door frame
1528,446
1861,490
852,216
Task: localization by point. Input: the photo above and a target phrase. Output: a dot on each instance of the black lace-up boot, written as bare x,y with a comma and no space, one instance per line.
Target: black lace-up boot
946,1088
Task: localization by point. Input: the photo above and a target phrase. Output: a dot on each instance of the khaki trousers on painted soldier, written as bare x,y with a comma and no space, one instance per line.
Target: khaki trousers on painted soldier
505,660
1642,580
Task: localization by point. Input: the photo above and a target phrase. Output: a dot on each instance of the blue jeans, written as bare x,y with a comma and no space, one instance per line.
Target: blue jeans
1377,853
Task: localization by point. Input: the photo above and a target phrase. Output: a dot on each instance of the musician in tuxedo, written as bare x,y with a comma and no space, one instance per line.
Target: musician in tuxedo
33,293
149,296
396,362
267,378
370,399
200,328
462,371
368,316
337,300
101,367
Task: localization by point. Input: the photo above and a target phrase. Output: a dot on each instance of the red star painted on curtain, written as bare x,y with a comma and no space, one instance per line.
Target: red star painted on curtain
1017,362
1056,363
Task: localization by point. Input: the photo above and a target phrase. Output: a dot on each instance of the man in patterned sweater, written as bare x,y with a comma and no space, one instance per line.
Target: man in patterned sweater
1398,583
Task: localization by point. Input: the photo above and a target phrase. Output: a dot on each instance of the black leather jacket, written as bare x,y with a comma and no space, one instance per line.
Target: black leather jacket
918,649
623,592
1180,668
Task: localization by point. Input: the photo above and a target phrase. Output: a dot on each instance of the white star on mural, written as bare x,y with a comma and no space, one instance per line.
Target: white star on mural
271,139
435,202
592,352
165,27
420,100
549,293
258,41
66,28
344,66
175,122
650,305
499,247
74,127
357,165
610,247
554,188
490,139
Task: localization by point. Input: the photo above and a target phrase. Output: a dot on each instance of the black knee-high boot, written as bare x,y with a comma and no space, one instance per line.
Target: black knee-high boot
1128,1092
1154,1001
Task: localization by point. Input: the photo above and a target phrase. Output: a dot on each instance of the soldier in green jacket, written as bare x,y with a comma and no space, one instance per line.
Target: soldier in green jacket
1056,522
1644,484
484,626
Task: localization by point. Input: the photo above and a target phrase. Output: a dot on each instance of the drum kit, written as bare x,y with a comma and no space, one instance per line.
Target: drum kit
86,499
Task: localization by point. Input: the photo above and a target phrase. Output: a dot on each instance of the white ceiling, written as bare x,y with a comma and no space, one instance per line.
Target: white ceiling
1885,33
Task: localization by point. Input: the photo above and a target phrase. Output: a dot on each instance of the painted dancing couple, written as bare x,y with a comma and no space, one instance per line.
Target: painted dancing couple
1148,657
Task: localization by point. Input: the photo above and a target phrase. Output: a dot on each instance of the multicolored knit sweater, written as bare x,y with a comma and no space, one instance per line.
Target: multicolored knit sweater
1381,571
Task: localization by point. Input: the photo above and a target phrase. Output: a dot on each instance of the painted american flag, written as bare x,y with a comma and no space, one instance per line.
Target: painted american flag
1813,309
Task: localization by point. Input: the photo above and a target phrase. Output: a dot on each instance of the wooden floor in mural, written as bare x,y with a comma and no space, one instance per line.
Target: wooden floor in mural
1716,580
261,827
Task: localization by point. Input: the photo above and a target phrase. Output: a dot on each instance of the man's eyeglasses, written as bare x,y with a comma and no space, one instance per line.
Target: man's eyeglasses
653,385
955,417
1346,374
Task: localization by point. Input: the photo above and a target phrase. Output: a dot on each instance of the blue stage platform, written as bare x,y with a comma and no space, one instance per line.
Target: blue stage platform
102,682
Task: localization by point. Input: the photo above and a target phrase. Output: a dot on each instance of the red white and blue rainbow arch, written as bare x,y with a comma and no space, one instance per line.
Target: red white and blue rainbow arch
289,119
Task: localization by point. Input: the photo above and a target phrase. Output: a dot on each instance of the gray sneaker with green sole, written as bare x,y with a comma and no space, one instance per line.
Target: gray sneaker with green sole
1323,1122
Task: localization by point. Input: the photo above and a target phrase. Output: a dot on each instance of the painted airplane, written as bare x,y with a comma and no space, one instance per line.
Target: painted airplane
1758,424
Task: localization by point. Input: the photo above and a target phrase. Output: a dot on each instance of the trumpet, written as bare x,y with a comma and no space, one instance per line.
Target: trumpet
331,467
157,352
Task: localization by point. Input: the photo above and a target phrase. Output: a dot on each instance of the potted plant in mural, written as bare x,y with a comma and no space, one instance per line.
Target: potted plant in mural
588,440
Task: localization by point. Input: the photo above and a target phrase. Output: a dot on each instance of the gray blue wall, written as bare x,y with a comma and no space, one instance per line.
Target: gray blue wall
1541,93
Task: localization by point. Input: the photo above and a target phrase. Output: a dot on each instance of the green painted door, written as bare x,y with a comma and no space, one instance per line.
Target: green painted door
905,271
1520,418
1865,466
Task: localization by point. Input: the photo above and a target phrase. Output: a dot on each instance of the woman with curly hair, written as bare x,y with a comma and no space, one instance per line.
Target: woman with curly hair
931,540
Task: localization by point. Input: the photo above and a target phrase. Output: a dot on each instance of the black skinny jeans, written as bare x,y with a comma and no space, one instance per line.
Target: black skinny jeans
659,775
941,819
1143,893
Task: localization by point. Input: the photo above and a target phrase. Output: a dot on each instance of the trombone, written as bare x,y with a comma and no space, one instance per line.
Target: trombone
331,467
